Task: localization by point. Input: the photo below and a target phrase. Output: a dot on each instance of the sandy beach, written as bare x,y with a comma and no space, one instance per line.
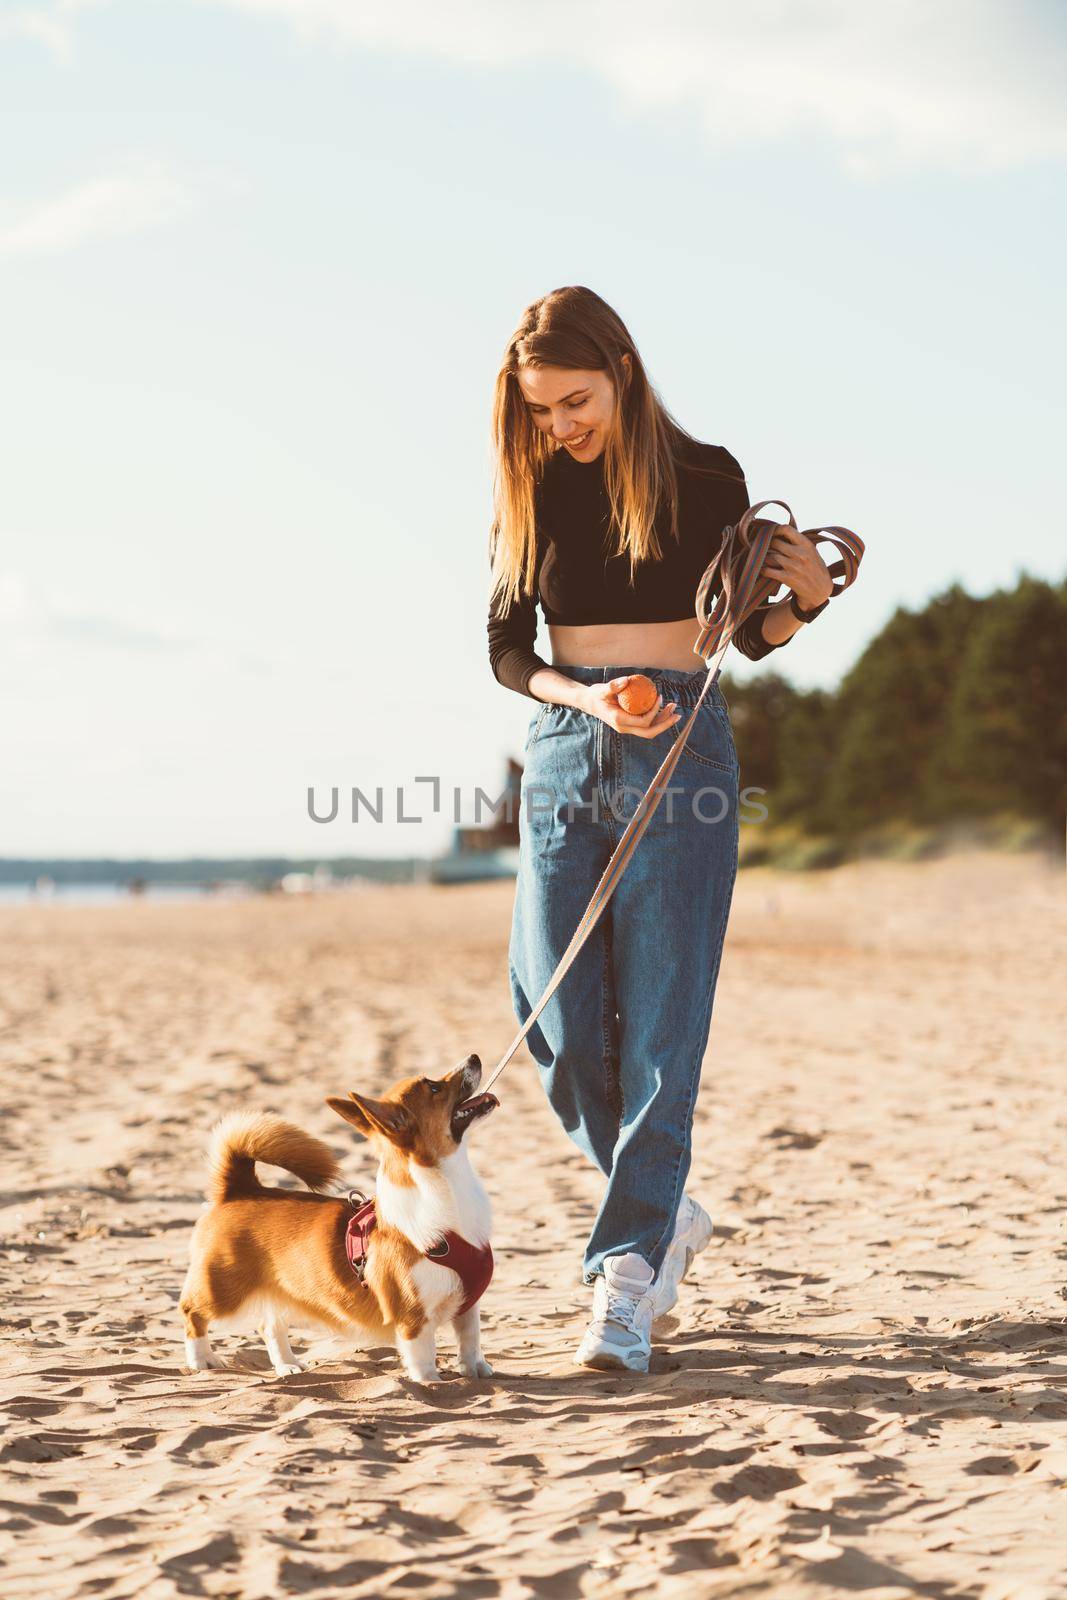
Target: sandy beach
862,1389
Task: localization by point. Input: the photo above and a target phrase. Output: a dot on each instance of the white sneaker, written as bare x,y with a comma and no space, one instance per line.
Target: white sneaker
692,1233
619,1338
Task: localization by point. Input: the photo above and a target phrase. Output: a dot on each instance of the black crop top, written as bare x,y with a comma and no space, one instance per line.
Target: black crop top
577,581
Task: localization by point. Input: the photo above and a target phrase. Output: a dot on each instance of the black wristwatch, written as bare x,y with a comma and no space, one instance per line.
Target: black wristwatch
804,616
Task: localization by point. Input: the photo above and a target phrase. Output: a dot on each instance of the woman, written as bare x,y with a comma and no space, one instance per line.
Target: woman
608,512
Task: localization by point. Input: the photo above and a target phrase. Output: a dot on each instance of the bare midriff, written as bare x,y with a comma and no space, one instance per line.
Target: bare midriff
667,645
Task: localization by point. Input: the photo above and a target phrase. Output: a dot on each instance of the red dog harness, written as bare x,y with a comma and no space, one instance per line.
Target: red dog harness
473,1264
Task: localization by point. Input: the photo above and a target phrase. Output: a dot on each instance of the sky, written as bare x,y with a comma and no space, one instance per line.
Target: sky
259,263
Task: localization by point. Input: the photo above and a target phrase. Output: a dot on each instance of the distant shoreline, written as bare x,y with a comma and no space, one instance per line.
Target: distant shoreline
203,873
107,880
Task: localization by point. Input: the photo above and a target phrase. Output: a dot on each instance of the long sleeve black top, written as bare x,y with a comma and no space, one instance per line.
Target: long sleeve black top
577,581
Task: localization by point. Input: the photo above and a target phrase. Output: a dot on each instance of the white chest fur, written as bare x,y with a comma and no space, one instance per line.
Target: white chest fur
446,1198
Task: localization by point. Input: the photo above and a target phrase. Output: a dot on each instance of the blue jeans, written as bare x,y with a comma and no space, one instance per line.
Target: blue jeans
620,1044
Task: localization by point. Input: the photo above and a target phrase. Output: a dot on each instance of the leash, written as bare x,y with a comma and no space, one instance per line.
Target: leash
737,574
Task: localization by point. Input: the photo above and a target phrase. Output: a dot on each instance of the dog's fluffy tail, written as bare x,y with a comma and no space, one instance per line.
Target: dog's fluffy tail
243,1138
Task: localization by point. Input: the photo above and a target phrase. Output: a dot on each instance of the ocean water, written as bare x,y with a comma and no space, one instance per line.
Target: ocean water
97,894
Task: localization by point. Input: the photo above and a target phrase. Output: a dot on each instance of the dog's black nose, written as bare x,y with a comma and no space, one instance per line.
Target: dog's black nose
473,1061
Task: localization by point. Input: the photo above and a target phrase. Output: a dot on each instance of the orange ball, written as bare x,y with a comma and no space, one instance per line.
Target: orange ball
638,696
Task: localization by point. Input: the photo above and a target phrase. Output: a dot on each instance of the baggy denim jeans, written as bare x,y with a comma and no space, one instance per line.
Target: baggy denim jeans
619,1046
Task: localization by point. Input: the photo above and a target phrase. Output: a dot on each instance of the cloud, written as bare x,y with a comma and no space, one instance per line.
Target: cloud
965,84
113,633
41,629
43,25
47,22
146,195
32,621
16,606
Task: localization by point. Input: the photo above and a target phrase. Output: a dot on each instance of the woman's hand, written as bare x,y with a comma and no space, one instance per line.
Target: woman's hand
601,700
794,561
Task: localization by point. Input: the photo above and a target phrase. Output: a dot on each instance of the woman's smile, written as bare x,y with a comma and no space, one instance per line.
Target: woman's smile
580,440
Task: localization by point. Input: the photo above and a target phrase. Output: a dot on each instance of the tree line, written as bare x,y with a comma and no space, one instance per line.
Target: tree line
952,721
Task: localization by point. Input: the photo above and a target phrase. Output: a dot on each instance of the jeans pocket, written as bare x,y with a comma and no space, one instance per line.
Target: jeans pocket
536,724
711,741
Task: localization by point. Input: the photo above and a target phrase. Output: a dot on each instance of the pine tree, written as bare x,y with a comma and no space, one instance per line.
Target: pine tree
807,748
955,711
1005,749
759,710
891,714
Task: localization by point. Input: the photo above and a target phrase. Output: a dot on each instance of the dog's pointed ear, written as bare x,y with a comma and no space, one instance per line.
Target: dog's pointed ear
373,1116
352,1113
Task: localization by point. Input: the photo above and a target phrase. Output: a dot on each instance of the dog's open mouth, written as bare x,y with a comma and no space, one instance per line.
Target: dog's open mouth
468,1111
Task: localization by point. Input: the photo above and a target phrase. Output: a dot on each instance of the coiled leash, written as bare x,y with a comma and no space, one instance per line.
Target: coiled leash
737,574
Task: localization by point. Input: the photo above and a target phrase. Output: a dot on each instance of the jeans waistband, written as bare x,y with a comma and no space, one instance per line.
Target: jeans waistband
672,685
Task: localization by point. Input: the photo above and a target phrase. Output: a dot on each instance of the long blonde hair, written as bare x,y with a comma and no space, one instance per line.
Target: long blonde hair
575,328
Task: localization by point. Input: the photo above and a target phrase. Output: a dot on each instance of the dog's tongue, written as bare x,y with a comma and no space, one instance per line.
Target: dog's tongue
478,1100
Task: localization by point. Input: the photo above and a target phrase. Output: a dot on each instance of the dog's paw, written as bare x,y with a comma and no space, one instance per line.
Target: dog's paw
422,1375
199,1357
476,1369
288,1369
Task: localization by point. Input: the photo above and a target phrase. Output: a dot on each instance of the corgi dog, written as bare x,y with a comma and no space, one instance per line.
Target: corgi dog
396,1268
